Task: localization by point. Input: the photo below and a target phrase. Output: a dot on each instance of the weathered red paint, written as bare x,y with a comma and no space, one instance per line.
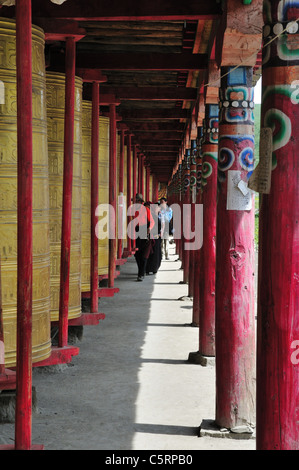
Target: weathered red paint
179,201
197,255
23,420
192,202
235,322
121,184
94,199
186,223
277,426
70,64
208,251
140,174
148,174
112,193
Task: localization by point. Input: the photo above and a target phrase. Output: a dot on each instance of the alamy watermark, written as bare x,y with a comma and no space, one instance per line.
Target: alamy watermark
133,222
295,353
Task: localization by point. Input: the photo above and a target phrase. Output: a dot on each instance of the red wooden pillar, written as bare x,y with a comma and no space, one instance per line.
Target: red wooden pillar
197,254
183,172
94,193
179,241
129,185
208,252
112,194
139,173
186,220
23,422
141,176
70,60
156,189
148,174
121,187
135,158
235,328
192,202
278,289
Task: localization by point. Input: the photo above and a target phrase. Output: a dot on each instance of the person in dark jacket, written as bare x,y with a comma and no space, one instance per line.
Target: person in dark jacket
155,257
145,223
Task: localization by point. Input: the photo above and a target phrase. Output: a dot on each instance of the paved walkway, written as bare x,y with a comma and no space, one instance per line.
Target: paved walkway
131,387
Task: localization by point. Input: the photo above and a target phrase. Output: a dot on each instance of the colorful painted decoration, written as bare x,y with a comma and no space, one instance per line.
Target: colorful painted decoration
281,124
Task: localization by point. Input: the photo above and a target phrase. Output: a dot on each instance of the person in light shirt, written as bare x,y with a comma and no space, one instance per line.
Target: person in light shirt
166,217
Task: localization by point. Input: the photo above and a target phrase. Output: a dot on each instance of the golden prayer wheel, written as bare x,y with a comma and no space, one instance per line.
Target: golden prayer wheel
55,113
103,192
104,189
41,339
86,181
124,240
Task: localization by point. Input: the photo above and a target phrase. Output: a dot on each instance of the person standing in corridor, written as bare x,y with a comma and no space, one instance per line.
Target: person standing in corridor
166,217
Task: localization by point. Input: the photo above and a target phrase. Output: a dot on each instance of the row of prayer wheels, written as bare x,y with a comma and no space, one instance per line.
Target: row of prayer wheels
48,154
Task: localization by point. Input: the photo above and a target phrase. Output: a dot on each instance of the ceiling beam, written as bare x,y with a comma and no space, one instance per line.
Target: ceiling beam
159,143
128,93
146,114
156,153
128,10
163,127
134,61
165,137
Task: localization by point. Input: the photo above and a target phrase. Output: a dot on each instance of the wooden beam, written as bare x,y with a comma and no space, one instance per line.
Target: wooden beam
91,75
159,143
128,10
161,127
145,114
164,137
153,93
58,30
160,152
135,61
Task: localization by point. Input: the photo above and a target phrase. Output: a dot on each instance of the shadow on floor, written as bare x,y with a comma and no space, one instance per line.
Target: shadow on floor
166,429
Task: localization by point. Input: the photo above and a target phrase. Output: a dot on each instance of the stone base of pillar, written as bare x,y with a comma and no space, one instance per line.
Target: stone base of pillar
209,428
185,297
198,358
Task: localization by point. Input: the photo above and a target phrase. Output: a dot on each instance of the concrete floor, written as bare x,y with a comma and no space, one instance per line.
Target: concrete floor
131,387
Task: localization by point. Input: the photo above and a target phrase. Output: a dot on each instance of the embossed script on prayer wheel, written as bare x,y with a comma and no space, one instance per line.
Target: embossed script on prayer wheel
104,189
103,192
41,340
55,114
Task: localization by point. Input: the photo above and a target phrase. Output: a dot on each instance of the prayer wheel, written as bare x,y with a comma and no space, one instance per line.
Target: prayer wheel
104,189
55,113
125,194
103,192
41,339
86,179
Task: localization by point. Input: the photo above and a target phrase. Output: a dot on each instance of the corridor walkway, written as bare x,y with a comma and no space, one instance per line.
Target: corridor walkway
131,387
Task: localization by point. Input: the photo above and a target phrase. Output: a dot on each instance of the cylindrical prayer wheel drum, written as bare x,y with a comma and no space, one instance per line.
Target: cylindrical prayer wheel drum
86,181
104,190
103,193
121,211
55,113
41,339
